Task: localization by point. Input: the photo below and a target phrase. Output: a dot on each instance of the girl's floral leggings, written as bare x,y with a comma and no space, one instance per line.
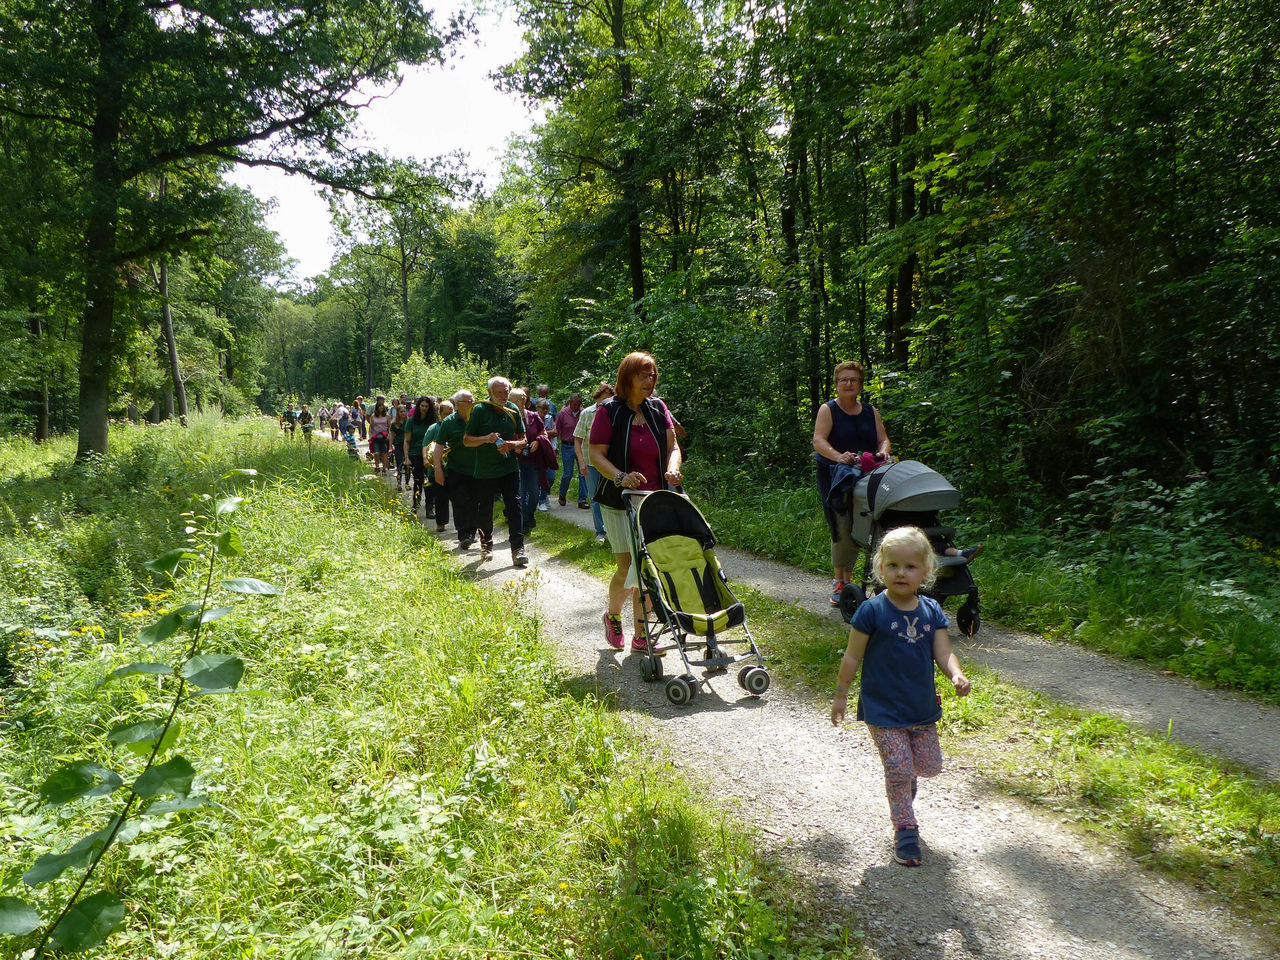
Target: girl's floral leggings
907,753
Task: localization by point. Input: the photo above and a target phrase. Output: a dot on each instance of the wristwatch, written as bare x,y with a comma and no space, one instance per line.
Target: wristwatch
622,475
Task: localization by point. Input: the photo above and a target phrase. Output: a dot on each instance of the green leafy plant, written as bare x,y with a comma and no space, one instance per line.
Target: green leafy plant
164,783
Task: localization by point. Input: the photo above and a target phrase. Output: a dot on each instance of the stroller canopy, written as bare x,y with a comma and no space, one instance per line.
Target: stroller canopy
665,513
907,485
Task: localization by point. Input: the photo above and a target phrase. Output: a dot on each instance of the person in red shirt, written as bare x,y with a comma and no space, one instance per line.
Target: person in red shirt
566,423
633,445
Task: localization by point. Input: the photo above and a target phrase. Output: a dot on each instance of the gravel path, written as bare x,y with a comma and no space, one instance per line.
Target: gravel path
1000,880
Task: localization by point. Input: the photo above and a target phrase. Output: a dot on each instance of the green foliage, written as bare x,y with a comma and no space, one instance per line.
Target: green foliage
125,98
398,784
438,377
87,920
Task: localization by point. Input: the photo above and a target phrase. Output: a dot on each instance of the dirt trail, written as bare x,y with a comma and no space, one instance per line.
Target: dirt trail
1000,880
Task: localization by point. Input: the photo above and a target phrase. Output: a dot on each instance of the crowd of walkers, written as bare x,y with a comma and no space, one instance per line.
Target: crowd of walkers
459,457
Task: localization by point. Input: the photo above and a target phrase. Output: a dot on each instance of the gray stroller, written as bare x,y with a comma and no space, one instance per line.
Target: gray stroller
908,493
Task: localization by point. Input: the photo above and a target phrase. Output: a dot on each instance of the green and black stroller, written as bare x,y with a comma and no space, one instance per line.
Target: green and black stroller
691,607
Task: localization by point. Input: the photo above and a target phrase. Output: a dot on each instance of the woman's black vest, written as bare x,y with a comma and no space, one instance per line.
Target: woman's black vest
608,493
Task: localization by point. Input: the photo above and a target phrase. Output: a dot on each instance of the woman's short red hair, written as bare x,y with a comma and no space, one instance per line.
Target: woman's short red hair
632,365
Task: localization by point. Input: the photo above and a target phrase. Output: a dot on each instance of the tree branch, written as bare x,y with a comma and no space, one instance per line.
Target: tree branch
163,245
314,176
54,117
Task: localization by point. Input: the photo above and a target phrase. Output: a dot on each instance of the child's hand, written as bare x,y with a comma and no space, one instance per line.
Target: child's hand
961,683
838,707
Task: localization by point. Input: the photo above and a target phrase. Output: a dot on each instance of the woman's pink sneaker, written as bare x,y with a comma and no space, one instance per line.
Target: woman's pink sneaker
640,643
613,631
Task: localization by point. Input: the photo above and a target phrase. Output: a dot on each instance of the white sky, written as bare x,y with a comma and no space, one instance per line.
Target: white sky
433,112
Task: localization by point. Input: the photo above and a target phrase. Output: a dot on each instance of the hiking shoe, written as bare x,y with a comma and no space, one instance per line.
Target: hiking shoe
562,501
602,538
583,505
440,527
486,552
906,847
518,558
970,552
465,544
613,631
837,587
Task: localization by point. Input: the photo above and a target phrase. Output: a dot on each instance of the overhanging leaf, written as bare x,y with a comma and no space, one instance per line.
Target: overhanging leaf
88,923
179,804
228,544
133,669
139,737
229,505
162,629
168,625
81,779
251,586
169,562
217,613
52,865
17,917
213,671
174,777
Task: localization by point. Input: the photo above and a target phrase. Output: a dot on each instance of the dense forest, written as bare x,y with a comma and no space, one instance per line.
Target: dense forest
1050,230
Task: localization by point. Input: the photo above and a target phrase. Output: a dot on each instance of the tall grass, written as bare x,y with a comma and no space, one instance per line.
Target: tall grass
407,776
1165,583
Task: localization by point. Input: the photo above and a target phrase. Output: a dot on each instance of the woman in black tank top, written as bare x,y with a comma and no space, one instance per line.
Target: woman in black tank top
844,429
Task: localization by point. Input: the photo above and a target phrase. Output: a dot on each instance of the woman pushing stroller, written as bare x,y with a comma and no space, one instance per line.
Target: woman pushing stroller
850,432
633,445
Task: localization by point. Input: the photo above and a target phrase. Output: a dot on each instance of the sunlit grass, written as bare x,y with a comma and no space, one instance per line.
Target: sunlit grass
404,774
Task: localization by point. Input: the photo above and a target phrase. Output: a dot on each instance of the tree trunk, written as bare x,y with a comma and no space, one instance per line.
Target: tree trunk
166,320
97,348
40,395
907,268
791,286
899,345
404,301
630,173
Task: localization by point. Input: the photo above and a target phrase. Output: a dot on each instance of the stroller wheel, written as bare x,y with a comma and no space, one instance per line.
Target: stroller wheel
968,619
754,680
679,691
851,598
650,669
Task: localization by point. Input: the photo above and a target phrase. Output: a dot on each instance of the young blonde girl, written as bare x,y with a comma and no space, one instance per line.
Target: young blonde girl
896,638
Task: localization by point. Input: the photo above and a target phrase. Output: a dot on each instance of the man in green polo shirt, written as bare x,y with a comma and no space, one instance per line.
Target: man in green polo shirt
458,474
495,432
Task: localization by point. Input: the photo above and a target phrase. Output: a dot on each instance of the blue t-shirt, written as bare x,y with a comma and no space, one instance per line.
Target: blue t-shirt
897,669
